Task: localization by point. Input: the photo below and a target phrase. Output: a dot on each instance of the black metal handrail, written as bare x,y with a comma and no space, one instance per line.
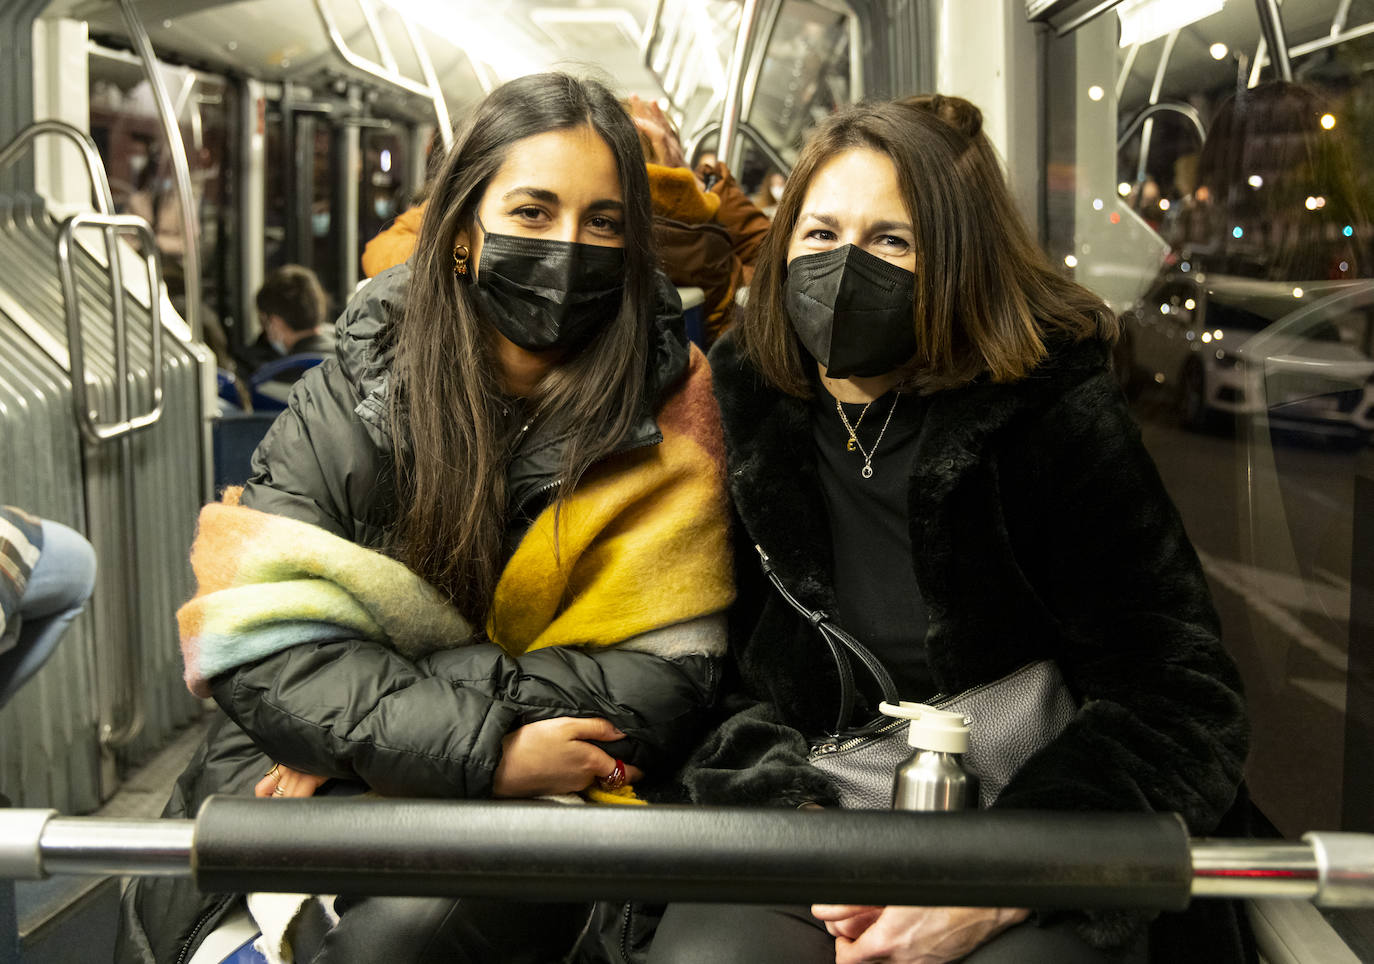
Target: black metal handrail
545,852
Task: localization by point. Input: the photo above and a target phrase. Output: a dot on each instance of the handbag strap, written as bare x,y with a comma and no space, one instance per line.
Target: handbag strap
839,641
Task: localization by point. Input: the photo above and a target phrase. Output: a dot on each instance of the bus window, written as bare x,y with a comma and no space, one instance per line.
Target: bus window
1224,214
129,135
803,75
689,54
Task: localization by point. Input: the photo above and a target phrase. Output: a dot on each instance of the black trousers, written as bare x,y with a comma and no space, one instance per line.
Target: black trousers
788,934
417,930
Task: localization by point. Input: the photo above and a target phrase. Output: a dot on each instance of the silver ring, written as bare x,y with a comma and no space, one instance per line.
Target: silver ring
279,791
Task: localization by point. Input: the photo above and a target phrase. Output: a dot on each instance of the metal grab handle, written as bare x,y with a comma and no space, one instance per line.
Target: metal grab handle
1188,111
745,128
663,853
95,168
119,224
389,71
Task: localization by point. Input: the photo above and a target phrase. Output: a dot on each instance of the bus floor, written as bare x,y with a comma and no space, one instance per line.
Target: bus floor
72,920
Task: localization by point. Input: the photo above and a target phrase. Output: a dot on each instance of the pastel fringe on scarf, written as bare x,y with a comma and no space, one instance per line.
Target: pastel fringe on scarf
639,556
267,583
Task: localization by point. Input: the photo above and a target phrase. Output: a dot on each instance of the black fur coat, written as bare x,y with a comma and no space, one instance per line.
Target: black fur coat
1041,529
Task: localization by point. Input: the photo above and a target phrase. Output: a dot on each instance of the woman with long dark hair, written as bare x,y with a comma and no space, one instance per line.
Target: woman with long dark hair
485,550
924,439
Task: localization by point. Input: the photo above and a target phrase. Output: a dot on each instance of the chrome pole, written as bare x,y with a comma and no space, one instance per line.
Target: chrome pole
144,848
181,167
1271,24
734,91
1253,868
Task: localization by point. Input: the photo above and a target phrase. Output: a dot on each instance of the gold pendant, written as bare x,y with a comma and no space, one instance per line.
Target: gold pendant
852,444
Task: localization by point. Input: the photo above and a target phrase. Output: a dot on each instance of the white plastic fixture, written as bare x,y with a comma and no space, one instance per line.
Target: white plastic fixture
1144,20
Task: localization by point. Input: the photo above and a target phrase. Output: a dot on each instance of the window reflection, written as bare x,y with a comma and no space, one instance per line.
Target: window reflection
1224,214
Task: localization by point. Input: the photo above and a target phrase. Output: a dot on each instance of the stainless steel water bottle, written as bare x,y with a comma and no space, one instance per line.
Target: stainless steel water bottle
933,777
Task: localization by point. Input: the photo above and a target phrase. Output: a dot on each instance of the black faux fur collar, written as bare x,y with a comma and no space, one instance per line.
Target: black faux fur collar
773,467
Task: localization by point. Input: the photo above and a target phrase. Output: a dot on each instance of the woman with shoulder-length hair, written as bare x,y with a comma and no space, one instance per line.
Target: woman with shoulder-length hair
924,439
485,551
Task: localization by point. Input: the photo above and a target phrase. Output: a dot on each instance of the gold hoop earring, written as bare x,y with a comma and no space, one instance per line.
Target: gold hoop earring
460,260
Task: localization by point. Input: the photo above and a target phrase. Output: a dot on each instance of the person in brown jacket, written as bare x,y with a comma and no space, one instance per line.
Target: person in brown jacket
706,239
394,244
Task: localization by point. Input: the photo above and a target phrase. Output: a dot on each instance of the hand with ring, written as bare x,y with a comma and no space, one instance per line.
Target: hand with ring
615,779
282,781
560,755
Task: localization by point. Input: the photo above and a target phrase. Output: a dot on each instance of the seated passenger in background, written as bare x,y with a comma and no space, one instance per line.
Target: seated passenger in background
292,312
485,550
770,192
707,239
47,572
923,434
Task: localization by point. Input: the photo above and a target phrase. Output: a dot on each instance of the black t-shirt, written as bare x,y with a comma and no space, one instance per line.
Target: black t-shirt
875,586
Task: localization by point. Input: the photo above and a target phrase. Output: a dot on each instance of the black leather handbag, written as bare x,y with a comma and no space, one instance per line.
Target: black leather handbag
1010,719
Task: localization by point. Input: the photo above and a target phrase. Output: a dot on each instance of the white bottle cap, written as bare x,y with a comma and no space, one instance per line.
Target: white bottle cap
931,729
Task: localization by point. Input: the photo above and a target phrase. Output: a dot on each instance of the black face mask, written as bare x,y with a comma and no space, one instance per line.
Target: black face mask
548,294
852,311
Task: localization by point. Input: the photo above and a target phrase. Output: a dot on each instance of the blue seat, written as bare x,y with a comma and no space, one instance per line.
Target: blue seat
227,388
236,436
694,314
276,401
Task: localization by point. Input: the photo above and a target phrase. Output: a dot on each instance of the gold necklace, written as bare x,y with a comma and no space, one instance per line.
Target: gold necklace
867,470
853,443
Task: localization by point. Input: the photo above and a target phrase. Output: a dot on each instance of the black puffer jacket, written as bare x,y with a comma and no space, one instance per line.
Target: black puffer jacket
358,711
1041,529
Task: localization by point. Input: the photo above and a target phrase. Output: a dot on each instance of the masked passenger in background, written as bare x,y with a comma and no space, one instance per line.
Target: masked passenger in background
485,550
924,438
707,237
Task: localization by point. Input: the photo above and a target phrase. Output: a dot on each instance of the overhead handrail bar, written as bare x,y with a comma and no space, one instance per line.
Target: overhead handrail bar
1125,75
443,121
739,60
389,72
534,851
1338,21
181,168
365,64
1271,25
1147,132
1188,111
1063,30
1322,43
374,27
646,42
